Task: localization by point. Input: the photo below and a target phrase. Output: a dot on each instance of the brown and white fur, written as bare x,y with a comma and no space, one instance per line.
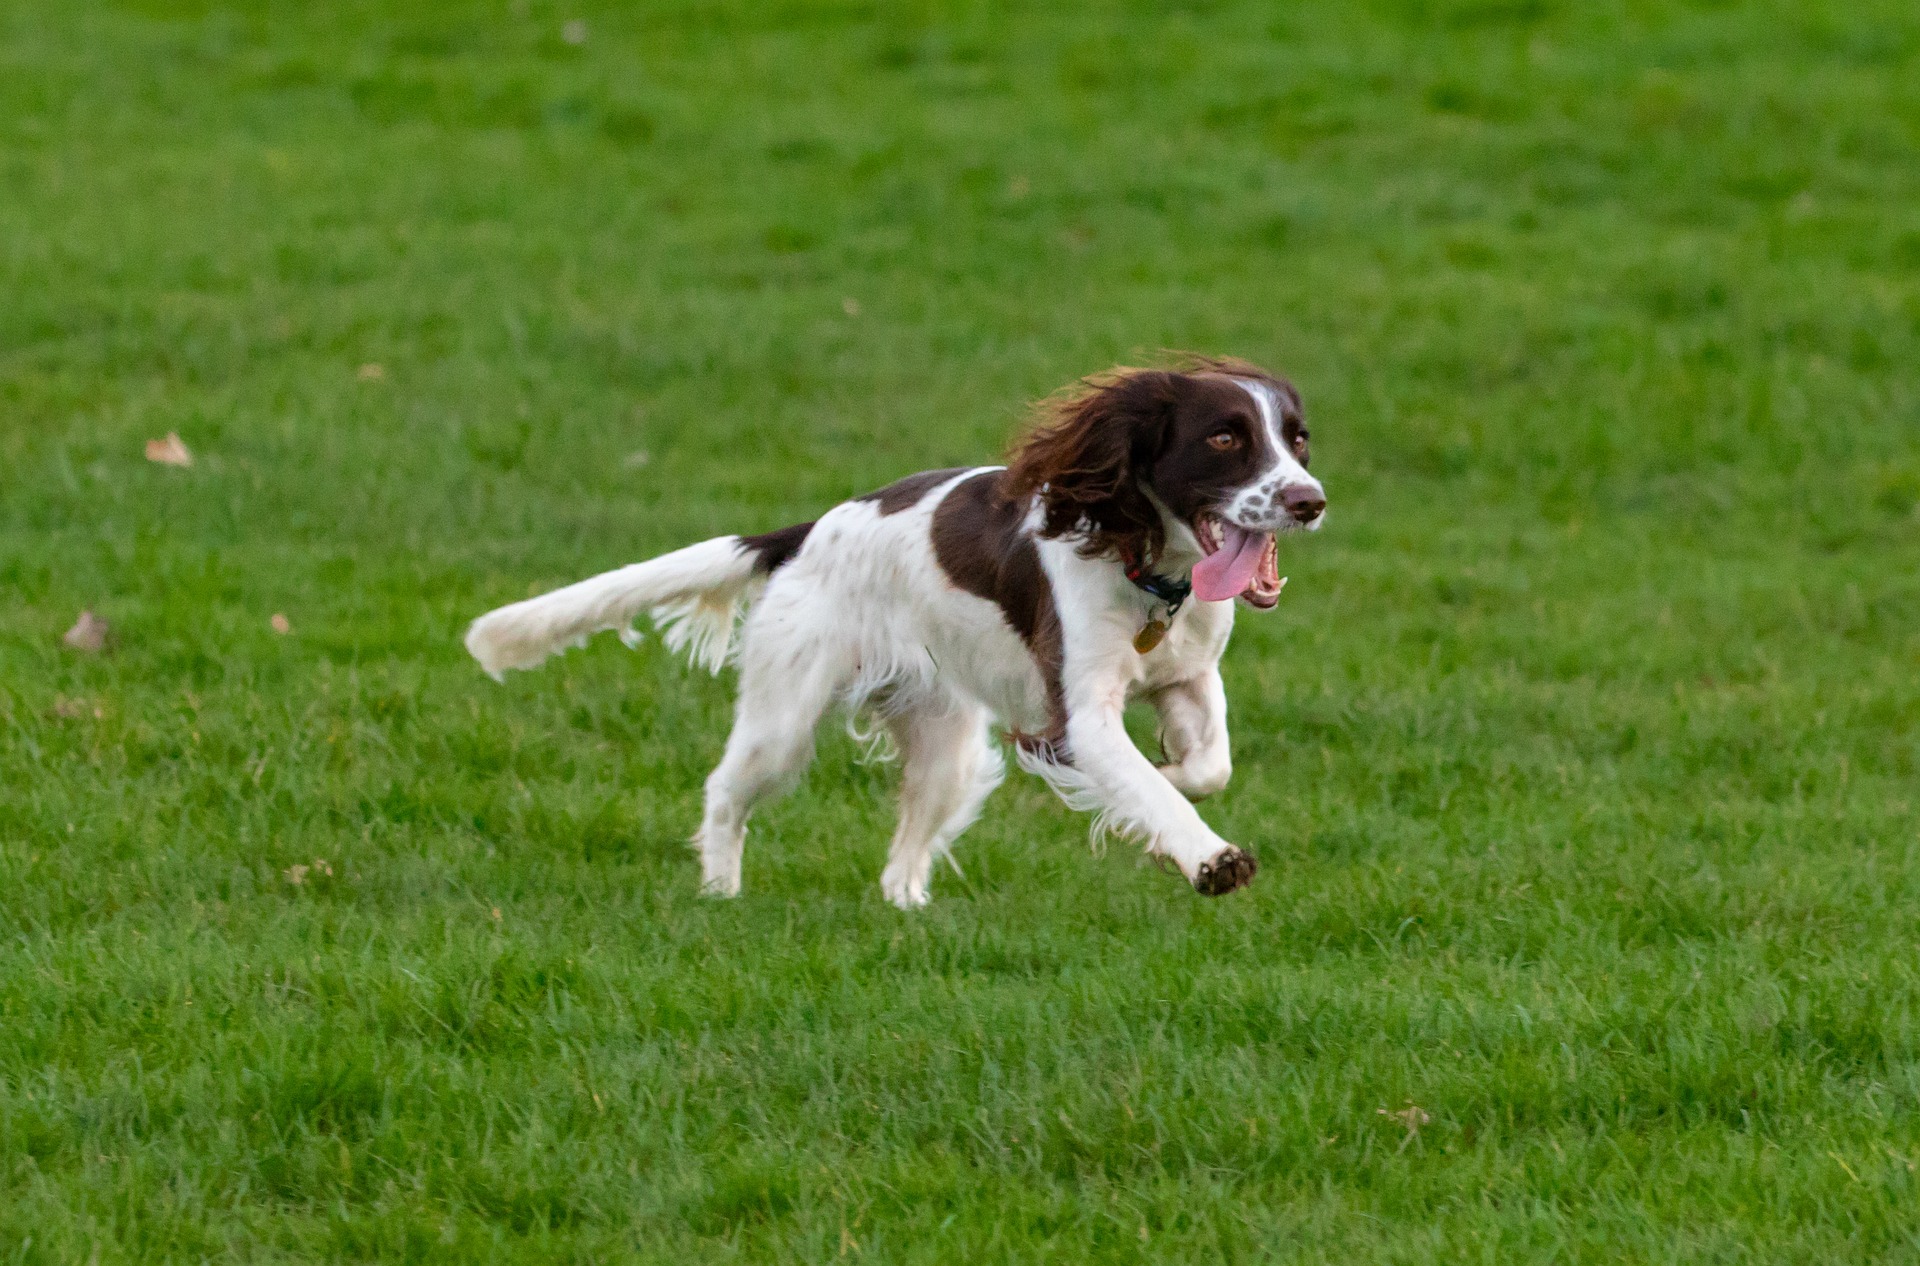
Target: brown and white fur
955,601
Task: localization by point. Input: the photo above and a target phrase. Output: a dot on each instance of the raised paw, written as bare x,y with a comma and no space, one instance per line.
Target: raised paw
1223,872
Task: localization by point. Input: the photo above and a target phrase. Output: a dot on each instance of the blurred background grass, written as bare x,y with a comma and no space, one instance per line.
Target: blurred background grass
1580,758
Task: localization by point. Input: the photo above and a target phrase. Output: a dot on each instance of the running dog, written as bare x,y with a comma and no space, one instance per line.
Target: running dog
1100,564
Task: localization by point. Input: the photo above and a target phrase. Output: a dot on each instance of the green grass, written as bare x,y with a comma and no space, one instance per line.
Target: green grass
1580,758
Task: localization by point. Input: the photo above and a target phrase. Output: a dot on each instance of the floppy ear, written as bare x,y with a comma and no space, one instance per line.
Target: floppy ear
1091,458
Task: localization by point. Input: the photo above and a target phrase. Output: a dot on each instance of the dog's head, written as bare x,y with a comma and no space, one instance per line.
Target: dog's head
1215,451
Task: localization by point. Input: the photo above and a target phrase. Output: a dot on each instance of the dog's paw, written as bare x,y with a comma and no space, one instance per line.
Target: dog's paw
1226,870
905,890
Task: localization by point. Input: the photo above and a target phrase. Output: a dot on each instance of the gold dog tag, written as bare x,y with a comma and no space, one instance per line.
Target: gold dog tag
1149,636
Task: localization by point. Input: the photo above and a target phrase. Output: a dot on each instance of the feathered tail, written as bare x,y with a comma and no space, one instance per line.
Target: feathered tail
694,595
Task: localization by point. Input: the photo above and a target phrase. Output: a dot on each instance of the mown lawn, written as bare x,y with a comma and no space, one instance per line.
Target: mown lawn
1580,757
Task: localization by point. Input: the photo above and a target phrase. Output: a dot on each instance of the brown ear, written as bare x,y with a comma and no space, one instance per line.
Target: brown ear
1090,458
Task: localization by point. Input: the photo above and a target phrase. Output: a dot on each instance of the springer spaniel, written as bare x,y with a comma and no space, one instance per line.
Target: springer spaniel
1040,595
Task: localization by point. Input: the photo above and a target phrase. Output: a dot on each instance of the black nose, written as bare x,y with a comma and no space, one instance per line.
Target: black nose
1303,502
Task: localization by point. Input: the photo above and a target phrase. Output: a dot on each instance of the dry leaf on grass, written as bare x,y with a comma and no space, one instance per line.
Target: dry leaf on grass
372,372
281,624
89,634
1412,1117
297,873
171,451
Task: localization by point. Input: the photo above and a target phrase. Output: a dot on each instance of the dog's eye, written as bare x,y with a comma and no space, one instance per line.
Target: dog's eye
1224,439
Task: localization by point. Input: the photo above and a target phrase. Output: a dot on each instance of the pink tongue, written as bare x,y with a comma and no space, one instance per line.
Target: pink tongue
1228,571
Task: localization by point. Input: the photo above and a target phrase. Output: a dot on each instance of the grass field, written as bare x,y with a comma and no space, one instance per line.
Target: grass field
1581,757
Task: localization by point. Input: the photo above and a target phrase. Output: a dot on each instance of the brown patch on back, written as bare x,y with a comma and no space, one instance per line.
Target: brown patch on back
904,494
773,550
978,542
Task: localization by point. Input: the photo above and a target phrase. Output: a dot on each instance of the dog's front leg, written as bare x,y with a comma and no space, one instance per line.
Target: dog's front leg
1135,797
1193,735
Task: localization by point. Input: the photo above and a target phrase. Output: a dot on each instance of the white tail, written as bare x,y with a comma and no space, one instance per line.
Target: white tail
694,595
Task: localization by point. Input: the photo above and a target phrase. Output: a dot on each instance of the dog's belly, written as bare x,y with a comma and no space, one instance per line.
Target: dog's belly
872,582
976,655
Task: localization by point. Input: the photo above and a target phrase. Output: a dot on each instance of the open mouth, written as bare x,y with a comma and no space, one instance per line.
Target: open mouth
1240,563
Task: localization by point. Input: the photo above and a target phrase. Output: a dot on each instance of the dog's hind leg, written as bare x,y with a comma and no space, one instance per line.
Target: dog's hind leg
783,692
949,767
